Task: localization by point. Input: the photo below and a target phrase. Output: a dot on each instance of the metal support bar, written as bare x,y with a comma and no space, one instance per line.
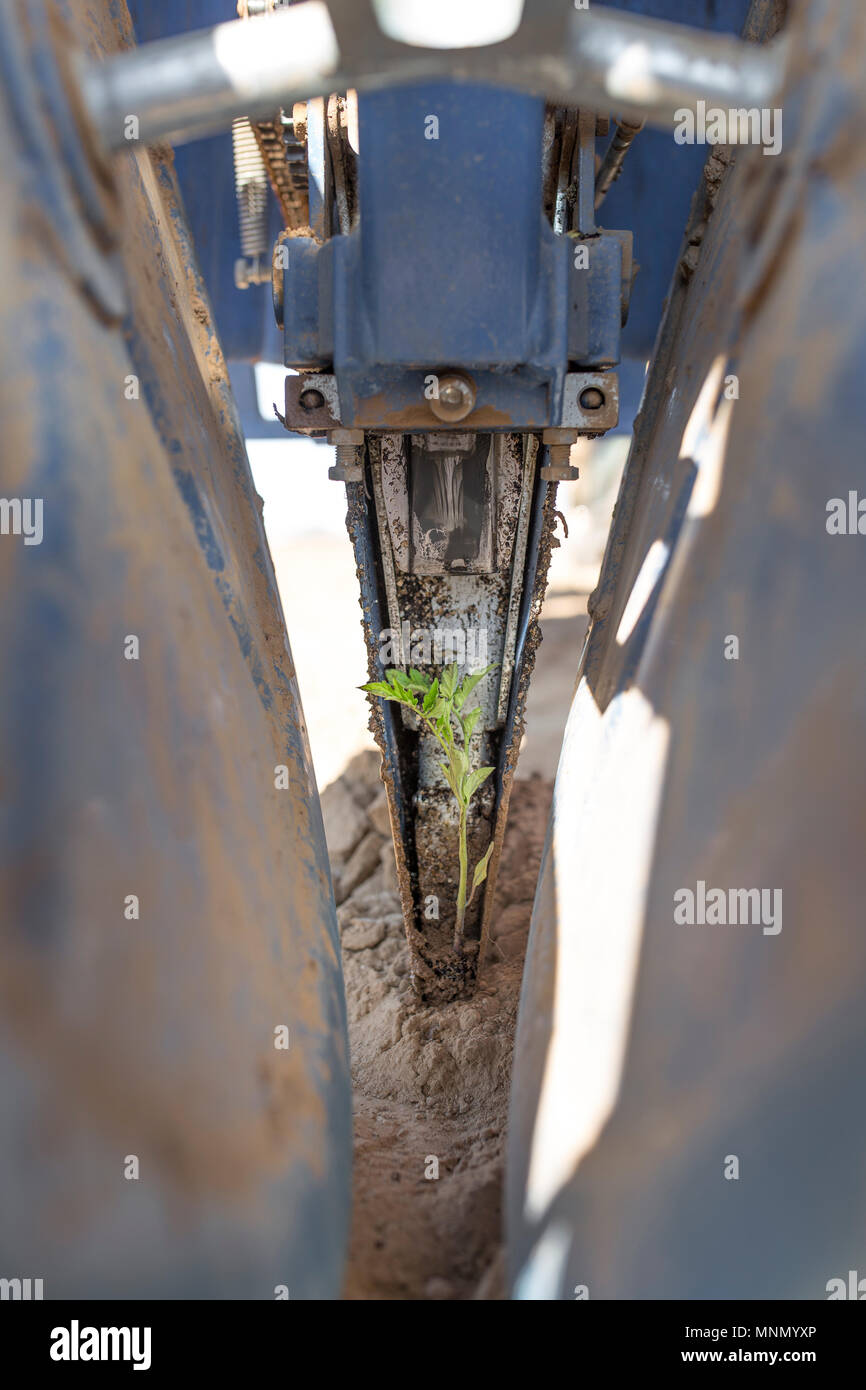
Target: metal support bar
184,87
611,166
584,219
195,84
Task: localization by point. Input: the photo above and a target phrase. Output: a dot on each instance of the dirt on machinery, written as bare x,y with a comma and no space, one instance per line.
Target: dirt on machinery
430,1082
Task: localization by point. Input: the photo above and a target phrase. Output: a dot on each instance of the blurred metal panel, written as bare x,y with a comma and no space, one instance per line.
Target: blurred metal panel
151,1036
205,172
652,198
652,1053
659,181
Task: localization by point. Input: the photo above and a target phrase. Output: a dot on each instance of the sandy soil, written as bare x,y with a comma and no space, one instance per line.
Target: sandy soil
430,1084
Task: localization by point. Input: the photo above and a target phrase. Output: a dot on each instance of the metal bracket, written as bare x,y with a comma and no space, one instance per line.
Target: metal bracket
590,406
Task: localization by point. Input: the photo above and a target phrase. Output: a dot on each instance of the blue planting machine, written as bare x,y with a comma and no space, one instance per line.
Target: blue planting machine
464,245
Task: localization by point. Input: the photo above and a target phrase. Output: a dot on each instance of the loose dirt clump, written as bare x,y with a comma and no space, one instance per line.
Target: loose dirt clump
430,1082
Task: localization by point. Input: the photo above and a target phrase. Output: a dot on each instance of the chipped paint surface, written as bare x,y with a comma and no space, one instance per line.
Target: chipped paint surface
153,777
682,764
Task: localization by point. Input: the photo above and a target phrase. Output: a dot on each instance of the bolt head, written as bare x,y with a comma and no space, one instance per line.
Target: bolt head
456,397
591,398
311,399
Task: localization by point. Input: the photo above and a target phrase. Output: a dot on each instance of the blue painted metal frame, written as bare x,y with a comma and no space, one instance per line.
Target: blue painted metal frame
652,197
452,264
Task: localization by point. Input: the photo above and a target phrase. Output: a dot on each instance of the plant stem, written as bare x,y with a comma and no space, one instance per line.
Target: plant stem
462,849
461,887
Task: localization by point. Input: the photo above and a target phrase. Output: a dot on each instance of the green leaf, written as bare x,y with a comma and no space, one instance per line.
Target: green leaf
468,684
449,778
475,780
418,680
481,868
378,688
401,688
468,724
448,682
431,698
